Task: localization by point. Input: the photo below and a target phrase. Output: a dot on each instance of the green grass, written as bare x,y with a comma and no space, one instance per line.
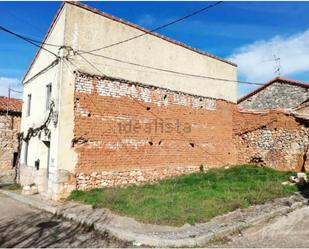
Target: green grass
192,198
10,186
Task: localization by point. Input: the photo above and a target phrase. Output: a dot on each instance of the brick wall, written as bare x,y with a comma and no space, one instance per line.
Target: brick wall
128,133
9,126
273,138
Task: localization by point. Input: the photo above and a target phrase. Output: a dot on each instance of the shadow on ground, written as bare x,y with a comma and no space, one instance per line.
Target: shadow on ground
303,188
43,230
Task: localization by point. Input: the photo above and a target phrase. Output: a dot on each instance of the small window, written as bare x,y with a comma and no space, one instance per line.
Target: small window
26,153
28,104
48,96
15,158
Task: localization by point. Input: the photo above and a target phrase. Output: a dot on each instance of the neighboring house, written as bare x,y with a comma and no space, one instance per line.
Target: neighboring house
108,120
10,115
271,126
279,93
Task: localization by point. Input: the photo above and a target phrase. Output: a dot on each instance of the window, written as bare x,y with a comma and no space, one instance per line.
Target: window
15,158
48,96
28,104
26,153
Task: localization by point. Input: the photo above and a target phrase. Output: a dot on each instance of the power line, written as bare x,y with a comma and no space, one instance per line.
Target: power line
15,91
190,140
172,71
156,29
32,41
29,40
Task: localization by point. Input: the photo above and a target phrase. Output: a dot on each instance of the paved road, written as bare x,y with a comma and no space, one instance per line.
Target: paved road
290,230
23,226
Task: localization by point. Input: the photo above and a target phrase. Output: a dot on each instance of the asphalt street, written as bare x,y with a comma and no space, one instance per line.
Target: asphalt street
24,226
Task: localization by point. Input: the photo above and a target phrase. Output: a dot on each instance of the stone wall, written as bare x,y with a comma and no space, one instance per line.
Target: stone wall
60,187
126,132
272,138
303,109
277,95
129,177
9,127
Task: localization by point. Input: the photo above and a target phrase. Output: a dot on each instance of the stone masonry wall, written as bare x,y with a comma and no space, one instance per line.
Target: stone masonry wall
277,95
273,138
127,133
9,126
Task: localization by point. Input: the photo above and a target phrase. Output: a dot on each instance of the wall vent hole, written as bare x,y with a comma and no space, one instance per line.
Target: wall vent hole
165,96
148,108
160,142
192,145
151,143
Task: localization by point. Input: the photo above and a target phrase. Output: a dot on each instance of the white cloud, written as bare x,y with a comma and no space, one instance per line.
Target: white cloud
254,59
13,83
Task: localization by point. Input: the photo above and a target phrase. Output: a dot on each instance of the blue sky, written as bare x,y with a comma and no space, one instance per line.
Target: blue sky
248,33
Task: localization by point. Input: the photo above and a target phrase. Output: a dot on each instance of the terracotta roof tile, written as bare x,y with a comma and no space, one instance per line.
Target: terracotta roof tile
13,105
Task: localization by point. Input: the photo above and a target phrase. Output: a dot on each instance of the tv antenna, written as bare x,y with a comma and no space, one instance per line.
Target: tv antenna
277,65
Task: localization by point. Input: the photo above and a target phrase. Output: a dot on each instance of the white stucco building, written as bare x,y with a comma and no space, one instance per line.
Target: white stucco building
49,159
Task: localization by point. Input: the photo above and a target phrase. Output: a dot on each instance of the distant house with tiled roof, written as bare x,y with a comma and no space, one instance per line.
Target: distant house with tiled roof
279,93
10,105
10,115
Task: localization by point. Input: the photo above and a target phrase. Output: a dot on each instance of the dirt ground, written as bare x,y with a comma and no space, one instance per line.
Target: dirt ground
291,230
23,226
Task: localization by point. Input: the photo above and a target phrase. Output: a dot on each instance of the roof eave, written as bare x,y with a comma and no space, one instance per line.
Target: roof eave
45,38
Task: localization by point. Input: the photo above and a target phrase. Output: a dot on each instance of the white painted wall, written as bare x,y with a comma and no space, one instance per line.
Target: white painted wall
36,86
87,30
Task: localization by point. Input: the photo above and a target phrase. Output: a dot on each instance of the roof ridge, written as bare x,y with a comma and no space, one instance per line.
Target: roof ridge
279,78
10,98
274,80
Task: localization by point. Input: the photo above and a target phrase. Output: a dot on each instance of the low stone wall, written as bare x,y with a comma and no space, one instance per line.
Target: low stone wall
56,188
30,175
129,177
275,139
9,126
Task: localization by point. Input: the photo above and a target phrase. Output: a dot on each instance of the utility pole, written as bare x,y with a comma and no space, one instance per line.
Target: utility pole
9,97
7,103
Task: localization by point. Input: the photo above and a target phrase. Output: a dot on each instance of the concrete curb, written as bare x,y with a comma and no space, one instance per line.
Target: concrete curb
48,207
128,229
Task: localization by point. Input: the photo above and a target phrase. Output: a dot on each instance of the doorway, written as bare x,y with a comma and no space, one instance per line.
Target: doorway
47,161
